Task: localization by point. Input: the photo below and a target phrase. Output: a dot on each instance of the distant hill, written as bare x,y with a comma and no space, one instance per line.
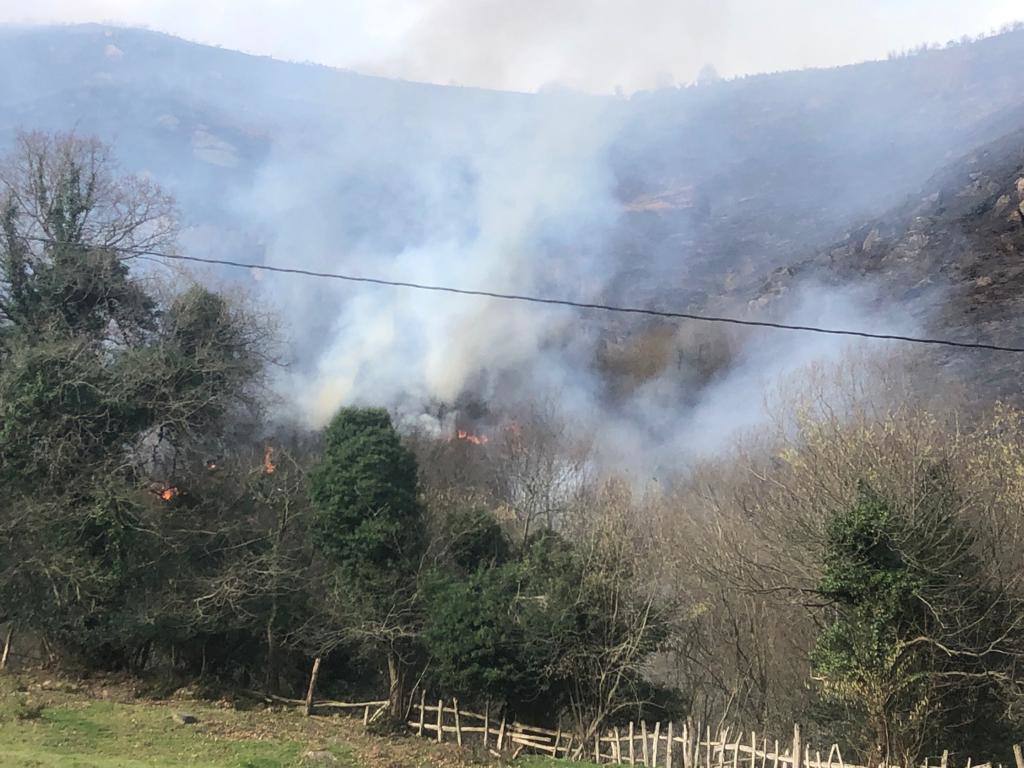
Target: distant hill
688,198
792,153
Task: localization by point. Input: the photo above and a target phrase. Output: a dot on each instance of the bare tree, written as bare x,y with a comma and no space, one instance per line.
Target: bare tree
67,189
767,511
540,470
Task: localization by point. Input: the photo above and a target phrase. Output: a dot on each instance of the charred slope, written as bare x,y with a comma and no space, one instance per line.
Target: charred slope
765,166
953,255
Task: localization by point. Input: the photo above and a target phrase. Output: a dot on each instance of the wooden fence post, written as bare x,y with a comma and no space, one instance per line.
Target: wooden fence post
366,715
7,646
643,737
1018,755
654,744
597,747
487,721
668,747
458,723
423,712
753,749
616,745
440,720
312,686
632,755
501,730
798,752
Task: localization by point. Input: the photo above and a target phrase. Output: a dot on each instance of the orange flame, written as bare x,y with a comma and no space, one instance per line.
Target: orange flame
268,461
469,437
169,494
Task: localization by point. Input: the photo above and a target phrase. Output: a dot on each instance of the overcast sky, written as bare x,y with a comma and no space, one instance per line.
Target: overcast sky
594,45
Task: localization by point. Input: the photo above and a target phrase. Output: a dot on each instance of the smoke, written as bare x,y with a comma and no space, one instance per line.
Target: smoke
681,199
593,45
522,202
523,198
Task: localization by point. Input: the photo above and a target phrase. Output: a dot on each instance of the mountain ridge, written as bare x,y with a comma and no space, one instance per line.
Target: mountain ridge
691,198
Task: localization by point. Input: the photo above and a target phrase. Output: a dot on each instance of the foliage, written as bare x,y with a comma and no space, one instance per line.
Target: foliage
369,524
472,539
918,643
368,518
539,632
105,391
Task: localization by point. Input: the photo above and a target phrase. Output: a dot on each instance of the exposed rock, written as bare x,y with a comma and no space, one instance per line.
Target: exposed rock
318,757
952,257
871,240
185,719
213,149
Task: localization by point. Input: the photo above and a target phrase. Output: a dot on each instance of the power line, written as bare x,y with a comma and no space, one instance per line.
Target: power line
563,302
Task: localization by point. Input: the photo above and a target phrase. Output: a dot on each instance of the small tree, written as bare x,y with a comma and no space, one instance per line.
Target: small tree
564,627
369,524
921,637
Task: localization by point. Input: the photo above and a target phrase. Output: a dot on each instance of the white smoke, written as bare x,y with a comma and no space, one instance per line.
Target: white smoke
519,198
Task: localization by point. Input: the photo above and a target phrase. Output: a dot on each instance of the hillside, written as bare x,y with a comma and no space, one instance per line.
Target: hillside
456,472
951,255
685,198
737,172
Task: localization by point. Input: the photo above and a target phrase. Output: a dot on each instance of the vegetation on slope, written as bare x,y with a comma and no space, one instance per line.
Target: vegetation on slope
857,569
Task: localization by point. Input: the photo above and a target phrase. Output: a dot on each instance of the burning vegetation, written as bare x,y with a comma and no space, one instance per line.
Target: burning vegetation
466,436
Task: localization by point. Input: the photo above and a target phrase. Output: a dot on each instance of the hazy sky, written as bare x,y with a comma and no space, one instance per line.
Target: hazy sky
596,45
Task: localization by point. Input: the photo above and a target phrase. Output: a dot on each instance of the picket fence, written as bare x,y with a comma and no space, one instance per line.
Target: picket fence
657,745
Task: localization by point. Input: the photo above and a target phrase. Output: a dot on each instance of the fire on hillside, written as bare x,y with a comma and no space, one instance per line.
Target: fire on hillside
466,436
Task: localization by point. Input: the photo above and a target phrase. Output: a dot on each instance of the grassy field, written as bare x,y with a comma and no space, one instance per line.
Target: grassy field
47,724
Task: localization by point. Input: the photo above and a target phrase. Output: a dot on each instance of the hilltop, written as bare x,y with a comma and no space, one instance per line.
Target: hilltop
689,198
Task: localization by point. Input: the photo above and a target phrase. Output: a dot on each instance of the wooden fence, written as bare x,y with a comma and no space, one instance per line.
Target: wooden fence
657,745
434,721
668,745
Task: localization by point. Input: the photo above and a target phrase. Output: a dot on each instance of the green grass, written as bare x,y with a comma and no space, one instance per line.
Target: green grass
92,734
69,729
539,761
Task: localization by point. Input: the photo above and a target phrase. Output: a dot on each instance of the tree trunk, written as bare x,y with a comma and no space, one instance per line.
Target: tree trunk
270,683
311,691
396,686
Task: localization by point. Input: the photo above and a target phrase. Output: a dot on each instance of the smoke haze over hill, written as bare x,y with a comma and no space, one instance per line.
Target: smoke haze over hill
689,199
594,46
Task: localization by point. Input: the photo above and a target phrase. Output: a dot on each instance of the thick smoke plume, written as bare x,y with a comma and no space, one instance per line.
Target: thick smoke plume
524,201
691,199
